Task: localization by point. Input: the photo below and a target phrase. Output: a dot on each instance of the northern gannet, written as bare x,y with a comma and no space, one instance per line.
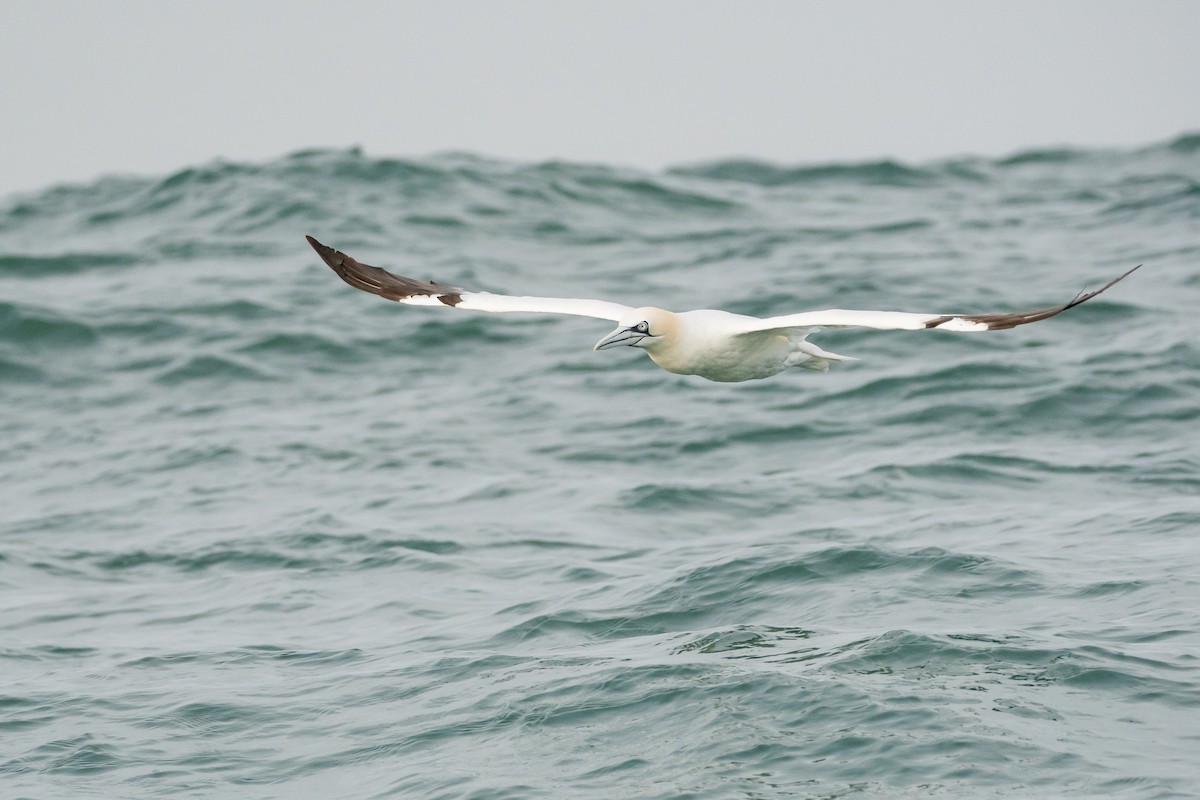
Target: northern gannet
716,345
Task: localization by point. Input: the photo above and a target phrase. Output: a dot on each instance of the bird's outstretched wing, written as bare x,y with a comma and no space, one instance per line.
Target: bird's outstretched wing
421,293
904,320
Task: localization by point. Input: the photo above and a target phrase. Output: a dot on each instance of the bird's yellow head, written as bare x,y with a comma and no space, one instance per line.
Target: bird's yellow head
642,327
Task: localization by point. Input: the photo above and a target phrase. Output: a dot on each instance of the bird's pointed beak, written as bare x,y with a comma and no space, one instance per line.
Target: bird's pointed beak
619,337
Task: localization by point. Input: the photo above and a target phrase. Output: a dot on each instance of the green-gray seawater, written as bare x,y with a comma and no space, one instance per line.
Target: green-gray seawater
266,536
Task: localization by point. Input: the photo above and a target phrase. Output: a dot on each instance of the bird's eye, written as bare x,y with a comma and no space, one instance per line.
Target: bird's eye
642,327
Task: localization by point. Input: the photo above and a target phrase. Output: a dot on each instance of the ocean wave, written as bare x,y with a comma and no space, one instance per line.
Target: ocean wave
877,173
217,558
211,368
752,584
34,266
304,346
20,372
617,191
32,328
1047,155
1186,143
245,204
1176,195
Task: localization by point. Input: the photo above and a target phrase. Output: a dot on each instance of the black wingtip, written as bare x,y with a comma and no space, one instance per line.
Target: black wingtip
1083,297
315,244
997,322
330,256
380,281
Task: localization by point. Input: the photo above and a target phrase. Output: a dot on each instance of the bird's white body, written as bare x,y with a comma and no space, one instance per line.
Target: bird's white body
721,346
716,345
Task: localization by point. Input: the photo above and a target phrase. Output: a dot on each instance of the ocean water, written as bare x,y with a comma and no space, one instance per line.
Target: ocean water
266,536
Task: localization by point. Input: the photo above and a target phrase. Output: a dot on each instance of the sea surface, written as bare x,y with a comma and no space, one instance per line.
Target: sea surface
266,536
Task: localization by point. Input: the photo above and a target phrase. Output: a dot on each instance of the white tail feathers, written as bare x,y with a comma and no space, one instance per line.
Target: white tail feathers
808,356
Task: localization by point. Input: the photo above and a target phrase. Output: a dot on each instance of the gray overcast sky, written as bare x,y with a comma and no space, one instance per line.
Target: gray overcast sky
97,87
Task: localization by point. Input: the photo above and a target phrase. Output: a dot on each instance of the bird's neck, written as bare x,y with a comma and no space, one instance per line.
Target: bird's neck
671,359
675,351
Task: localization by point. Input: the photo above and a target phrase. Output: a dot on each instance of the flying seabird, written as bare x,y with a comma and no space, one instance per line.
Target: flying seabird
716,345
